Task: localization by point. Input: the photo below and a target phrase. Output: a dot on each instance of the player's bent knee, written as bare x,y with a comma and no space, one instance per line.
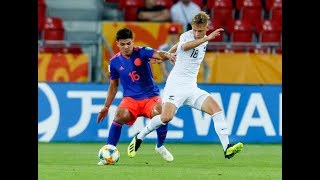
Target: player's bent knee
156,110
123,115
166,119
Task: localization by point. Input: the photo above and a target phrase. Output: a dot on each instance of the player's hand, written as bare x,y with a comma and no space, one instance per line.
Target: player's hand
155,61
171,57
214,34
102,114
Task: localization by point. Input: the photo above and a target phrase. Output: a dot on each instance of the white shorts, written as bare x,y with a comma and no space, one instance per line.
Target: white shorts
193,97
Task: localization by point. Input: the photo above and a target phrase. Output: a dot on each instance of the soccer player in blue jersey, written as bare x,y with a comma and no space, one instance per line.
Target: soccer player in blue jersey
131,68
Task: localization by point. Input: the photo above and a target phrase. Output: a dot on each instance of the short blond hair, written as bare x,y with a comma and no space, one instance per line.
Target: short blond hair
201,18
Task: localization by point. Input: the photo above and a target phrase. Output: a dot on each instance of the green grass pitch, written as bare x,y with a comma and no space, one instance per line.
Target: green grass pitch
78,161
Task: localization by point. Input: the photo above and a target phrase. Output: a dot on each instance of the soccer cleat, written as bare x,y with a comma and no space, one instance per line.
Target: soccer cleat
134,146
232,149
100,163
163,151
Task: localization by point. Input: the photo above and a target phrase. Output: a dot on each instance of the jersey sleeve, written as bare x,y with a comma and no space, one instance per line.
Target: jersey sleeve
184,38
113,72
146,53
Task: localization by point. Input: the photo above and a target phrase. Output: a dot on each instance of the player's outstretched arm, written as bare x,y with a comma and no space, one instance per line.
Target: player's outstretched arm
192,44
214,34
174,48
112,91
163,56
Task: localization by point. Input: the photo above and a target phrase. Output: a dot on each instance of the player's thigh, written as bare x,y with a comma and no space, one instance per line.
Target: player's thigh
197,99
156,110
174,96
152,107
127,111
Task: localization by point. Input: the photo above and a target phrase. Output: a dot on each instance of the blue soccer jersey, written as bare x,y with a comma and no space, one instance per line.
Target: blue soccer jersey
135,73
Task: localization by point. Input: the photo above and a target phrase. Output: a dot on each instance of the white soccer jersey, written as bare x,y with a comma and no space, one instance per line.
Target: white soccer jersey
187,64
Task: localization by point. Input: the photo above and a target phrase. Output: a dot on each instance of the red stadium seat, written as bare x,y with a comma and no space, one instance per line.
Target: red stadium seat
130,8
212,3
130,14
53,29
272,3
239,4
166,3
276,14
269,31
276,11
222,11
130,3
251,3
213,26
240,32
268,4
42,8
252,11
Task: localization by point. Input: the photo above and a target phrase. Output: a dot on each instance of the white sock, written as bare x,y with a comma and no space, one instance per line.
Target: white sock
220,126
154,123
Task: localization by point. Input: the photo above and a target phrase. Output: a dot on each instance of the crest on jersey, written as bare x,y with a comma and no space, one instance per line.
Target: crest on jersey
137,62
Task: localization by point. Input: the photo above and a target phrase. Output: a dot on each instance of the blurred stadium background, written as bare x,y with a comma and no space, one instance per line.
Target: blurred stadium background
242,70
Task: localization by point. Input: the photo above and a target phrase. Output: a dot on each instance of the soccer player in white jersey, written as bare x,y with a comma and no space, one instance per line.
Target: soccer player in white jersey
181,87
